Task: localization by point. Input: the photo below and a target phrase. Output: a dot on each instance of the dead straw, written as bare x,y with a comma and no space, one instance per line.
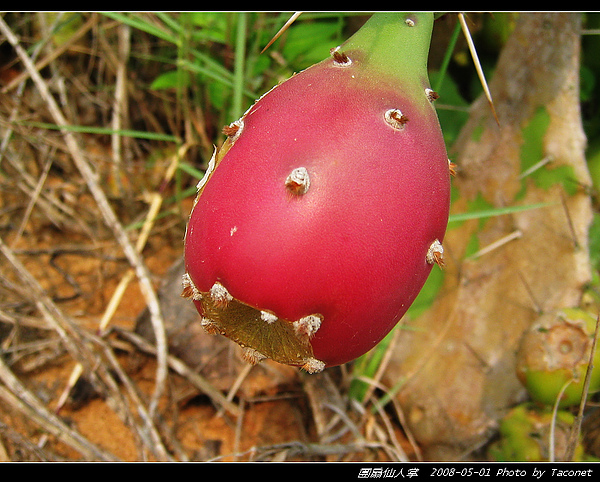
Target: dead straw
107,212
16,395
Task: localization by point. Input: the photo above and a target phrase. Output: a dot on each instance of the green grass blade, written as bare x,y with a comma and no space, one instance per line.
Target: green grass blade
447,57
487,213
172,23
191,170
238,69
154,136
140,24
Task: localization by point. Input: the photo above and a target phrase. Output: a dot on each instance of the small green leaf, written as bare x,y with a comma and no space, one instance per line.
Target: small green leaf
309,42
494,212
167,80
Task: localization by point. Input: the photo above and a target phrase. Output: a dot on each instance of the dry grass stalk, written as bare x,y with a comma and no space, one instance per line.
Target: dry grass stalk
106,211
182,369
120,102
16,395
48,59
77,343
156,201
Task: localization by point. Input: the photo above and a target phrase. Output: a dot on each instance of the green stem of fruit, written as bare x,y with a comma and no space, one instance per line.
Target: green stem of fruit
396,45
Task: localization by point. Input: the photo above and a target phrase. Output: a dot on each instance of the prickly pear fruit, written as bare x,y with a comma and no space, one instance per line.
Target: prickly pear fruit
319,219
525,436
553,357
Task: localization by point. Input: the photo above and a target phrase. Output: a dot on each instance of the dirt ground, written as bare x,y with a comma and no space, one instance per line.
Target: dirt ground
276,414
274,421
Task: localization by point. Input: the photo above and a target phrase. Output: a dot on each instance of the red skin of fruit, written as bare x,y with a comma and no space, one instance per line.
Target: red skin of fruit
353,247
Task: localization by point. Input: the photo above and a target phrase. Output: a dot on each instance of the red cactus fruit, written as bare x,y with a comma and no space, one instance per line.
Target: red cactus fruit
320,218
